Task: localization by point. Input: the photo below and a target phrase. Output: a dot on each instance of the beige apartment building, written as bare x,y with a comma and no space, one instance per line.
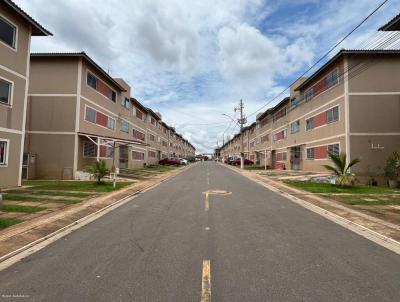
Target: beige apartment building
16,29
351,104
81,115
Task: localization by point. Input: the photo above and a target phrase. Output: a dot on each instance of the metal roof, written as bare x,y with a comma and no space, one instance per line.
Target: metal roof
37,29
82,55
392,25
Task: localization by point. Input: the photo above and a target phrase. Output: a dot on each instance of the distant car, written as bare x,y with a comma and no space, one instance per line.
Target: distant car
230,160
183,161
246,162
170,162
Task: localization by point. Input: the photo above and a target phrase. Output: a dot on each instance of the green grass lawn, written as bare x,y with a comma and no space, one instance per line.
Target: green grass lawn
254,167
74,185
49,193
6,222
20,197
360,199
314,187
351,195
22,209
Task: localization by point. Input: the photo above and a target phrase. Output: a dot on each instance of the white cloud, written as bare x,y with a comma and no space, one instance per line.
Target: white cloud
193,60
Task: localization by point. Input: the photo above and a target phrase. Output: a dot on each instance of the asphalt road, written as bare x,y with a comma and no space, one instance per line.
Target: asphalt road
261,247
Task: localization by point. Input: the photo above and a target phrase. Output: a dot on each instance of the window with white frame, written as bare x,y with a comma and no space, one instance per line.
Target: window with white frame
284,133
3,152
5,92
258,140
90,115
124,126
126,102
295,127
309,123
91,80
332,115
333,149
309,94
8,32
137,155
111,123
284,155
310,153
89,150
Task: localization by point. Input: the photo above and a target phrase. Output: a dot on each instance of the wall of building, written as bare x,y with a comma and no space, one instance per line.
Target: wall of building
14,69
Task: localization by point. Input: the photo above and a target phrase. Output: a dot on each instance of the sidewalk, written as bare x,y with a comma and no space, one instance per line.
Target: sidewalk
20,235
374,224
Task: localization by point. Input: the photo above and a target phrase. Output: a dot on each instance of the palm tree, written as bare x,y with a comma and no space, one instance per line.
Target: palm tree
99,170
340,167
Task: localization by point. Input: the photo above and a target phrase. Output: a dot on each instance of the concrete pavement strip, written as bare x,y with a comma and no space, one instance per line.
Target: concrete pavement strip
24,239
381,232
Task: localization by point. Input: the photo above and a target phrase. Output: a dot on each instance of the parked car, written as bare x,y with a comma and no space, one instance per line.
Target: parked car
170,162
230,160
183,161
246,162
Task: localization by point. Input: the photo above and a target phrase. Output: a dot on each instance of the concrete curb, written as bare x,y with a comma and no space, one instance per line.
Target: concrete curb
367,233
36,245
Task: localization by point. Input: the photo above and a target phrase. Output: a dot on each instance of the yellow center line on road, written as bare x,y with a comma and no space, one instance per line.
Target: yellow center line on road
206,282
207,205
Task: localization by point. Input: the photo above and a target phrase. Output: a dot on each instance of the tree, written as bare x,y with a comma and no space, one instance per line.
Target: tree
340,168
99,170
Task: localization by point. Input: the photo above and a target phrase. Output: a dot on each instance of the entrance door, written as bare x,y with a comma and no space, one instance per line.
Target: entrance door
295,157
123,157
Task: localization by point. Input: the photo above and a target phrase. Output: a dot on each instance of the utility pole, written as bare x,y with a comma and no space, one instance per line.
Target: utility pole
242,120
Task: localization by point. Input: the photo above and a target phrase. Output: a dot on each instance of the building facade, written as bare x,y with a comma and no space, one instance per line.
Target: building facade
340,108
16,30
81,115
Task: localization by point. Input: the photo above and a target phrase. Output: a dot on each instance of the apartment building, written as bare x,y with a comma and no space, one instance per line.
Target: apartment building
342,107
81,115
16,30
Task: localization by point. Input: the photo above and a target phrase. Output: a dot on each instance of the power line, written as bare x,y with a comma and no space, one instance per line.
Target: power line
323,57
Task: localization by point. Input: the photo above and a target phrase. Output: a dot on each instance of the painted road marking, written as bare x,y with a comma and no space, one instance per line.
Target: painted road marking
206,282
214,192
207,205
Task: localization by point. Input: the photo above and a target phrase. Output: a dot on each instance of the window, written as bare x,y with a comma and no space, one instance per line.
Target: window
275,137
310,153
295,102
112,95
152,154
91,80
309,123
332,115
137,155
152,137
295,127
5,92
284,133
125,102
124,126
153,121
333,149
258,140
284,155
138,113
89,150
7,33
3,152
138,135
110,123
90,115
309,94
332,78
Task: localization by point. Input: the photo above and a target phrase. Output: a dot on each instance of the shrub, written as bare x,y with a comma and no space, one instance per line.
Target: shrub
99,170
341,169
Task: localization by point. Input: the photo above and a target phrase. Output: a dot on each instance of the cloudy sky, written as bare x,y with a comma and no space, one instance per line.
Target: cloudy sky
193,60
